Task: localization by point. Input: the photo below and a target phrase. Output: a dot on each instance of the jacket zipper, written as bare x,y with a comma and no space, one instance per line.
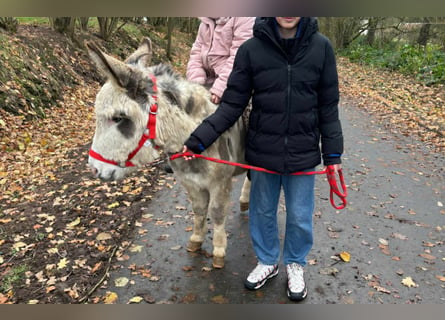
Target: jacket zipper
288,111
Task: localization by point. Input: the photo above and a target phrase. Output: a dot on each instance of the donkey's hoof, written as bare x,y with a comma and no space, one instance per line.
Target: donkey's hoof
193,246
244,206
218,262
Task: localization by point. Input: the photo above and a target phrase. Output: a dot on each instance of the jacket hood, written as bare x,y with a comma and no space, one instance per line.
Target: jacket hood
215,20
266,28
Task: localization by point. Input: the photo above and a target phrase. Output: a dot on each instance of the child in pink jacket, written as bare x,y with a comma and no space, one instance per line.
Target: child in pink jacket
213,52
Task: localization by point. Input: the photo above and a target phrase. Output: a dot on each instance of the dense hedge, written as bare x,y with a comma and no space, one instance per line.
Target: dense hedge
427,63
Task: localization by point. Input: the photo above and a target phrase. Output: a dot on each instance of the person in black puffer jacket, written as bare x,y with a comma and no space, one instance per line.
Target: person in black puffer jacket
289,70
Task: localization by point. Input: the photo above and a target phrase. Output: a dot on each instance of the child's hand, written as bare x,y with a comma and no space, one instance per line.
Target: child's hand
187,158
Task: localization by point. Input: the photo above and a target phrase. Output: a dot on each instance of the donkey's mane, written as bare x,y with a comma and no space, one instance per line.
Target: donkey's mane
169,83
165,69
189,97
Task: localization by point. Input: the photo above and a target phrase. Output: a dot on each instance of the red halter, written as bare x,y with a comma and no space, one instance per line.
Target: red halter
149,133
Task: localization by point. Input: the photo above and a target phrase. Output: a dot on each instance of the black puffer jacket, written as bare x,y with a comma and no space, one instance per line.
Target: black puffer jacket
294,88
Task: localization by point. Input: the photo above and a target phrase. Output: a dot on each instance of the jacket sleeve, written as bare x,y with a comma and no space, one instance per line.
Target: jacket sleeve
328,98
242,30
233,102
195,69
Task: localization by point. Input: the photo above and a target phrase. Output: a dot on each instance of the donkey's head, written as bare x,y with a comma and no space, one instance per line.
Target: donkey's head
122,113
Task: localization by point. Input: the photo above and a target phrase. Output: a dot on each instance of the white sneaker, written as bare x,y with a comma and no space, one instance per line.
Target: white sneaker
258,277
296,287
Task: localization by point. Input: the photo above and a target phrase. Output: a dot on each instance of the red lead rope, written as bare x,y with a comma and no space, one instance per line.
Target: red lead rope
330,173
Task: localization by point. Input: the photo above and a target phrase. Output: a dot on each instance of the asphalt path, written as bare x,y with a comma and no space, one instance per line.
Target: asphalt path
392,229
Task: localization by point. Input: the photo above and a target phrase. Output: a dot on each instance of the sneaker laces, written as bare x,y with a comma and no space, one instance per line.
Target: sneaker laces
295,277
260,272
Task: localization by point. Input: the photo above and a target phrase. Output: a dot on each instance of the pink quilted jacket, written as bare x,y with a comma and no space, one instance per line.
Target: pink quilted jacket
213,52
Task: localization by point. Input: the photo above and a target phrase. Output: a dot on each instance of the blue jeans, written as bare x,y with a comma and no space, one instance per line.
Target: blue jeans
263,223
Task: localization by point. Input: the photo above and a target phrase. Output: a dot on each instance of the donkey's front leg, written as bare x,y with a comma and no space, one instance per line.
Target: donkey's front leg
200,204
218,209
245,195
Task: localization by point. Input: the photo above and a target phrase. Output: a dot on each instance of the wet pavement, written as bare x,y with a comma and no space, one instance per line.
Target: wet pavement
393,229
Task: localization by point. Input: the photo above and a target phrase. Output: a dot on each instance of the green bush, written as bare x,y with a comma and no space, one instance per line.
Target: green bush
427,64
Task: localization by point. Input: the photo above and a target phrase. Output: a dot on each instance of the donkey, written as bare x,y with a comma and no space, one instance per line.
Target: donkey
141,109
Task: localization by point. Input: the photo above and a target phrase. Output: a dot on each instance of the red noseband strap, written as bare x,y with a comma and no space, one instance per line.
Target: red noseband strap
97,156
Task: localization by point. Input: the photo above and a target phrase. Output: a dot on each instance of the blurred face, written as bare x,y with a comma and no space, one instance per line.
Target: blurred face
288,23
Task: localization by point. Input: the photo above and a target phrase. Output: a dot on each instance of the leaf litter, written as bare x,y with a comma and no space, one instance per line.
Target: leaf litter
72,225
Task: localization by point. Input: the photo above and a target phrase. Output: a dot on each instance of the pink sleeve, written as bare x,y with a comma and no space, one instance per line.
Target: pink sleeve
242,31
195,70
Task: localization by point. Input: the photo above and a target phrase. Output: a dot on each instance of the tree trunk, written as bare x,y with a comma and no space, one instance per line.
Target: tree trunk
84,23
372,27
107,25
424,33
9,23
170,23
61,24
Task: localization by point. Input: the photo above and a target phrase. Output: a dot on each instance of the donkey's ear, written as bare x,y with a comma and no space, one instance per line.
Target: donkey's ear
142,56
110,67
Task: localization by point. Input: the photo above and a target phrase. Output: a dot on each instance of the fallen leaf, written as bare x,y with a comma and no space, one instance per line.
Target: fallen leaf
136,299
428,244
189,298
50,288
381,289
441,278
345,256
135,248
19,245
385,249
113,205
329,271
312,262
154,278
73,223
399,236
4,299
103,236
219,299
145,273
408,281
62,263
188,268
347,300
110,297
427,256
121,282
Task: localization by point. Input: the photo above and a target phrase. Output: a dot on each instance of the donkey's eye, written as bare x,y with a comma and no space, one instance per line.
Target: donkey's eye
117,119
